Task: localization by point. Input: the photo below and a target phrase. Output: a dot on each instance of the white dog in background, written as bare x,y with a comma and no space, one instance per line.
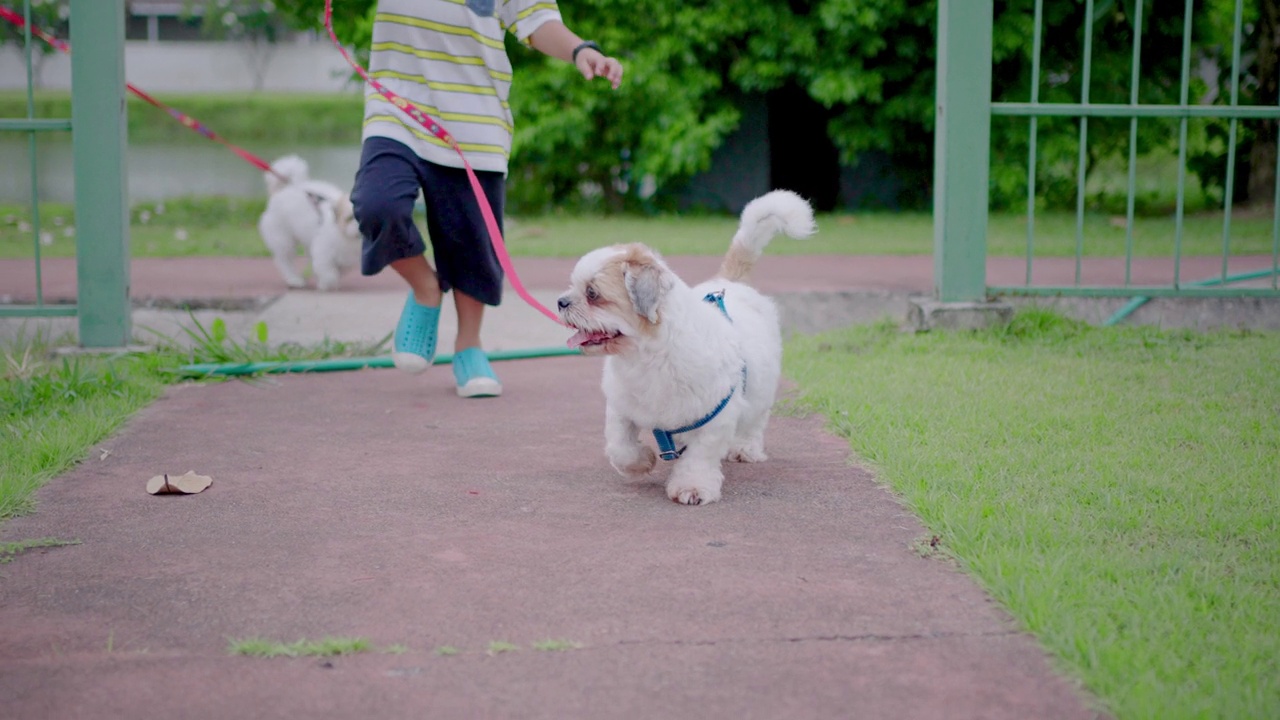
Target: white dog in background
693,365
313,214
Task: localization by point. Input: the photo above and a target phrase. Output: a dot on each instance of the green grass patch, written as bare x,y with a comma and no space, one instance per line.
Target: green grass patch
227,227
326,647
556,645
888,234
447,650
54,409
243,118
497,647
11,550
1115,489
180,227
214,344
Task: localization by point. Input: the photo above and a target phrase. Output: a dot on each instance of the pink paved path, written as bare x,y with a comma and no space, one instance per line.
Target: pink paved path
251,278
379,505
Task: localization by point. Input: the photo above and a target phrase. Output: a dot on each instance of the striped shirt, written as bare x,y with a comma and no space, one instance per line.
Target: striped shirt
448,58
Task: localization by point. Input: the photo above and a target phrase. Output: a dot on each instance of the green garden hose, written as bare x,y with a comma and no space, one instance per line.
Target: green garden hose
356,363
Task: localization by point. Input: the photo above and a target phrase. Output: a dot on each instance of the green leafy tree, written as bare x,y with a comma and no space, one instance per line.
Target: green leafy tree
1062,81
1255,170
674,107
1264,90
866,67
352,20
50,16
255,23
237,19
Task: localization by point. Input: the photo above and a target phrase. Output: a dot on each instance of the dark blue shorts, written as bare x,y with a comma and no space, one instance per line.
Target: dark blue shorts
386,189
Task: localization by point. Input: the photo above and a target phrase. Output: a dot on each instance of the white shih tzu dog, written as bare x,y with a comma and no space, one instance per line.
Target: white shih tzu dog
696,366
313,214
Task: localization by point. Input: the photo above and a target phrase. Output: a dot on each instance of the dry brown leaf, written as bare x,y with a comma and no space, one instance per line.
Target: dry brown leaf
188,484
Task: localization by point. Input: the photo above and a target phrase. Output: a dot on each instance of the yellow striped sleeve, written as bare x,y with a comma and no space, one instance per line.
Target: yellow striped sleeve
536,7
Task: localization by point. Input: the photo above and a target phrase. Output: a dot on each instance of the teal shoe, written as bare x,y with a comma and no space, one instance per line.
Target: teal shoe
474,375
415,343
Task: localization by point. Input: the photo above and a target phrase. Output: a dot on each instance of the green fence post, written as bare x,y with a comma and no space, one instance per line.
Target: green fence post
99,141
962,152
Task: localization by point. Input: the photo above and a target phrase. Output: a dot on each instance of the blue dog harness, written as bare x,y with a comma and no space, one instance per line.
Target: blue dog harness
666,441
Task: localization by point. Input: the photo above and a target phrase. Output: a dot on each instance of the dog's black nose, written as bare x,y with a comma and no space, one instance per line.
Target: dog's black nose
564,302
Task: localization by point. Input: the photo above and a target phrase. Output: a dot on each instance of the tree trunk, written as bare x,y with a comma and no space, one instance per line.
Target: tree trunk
260,53
1262,156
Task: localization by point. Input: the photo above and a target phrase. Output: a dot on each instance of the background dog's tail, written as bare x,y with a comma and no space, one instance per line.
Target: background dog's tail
780,211
288,170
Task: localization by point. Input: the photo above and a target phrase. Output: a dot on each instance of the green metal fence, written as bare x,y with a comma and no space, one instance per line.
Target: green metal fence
98,129
963,156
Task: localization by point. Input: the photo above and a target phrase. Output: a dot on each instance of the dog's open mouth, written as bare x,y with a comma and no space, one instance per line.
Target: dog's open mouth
591,338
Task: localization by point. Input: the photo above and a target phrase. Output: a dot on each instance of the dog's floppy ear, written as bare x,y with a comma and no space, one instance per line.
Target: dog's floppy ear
645,286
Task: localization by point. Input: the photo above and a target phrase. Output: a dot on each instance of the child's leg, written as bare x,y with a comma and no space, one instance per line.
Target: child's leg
464,254
421,279
470,317
467,264
383,197
385,191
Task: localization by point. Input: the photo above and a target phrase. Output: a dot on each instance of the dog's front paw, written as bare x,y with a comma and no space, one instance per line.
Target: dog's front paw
747,455
693,495
633,461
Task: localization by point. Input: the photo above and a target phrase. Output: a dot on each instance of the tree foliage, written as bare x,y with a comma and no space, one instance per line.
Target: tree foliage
48,15
252,20
1113,26
868,64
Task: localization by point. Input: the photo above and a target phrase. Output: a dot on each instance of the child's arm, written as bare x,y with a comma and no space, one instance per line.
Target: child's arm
556,40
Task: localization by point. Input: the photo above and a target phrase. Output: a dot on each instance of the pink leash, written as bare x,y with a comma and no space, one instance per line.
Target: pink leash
491,223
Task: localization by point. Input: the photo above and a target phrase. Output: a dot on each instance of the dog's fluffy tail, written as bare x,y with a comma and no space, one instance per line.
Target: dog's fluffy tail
288,170
780,211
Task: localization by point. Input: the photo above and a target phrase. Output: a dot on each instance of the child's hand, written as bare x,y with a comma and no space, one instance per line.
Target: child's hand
593,64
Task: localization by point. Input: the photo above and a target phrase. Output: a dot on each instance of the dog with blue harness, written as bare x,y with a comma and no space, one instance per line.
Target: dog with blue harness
677,358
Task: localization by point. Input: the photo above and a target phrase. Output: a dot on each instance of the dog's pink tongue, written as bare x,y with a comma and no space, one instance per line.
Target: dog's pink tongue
583,337
579,339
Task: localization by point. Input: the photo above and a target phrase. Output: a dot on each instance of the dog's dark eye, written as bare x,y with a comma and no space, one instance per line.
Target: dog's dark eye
592,295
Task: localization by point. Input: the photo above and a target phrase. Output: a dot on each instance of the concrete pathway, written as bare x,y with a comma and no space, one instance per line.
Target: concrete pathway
239,282
379,505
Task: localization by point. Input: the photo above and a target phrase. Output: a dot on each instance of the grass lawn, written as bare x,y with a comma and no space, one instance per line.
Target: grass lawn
53,410
227,227
243,118
1114,489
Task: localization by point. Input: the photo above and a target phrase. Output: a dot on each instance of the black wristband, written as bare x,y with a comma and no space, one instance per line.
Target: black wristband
584,46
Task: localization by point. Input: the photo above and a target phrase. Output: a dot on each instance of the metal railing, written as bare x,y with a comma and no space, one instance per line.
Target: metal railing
98,130
963,155
33,127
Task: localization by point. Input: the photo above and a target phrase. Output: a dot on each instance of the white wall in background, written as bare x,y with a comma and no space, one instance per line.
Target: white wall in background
194,67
